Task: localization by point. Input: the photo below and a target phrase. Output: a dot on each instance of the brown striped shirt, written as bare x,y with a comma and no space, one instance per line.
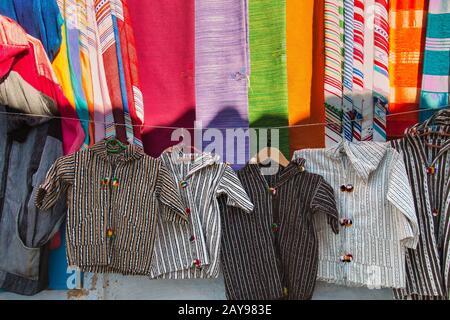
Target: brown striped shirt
113,206
272,253
428,168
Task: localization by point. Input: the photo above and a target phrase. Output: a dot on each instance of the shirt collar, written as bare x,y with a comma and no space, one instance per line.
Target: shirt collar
197,161
364,156
131,153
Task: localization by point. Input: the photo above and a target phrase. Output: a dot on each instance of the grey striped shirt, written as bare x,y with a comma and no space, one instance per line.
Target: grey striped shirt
428,267
113,206
376,211
193,250
272,253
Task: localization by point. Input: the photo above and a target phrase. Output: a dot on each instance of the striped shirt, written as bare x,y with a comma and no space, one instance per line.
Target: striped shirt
193,250
113,204
272,253
376,212
428,267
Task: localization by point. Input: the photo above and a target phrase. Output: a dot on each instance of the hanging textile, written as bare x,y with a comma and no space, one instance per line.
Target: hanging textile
85,64
407,22
115,120
305,58
68,10
268,96
347,102
368,72
334,59
25,55
381,69
358,65
221,71
134,108
164,32
40,19
436,65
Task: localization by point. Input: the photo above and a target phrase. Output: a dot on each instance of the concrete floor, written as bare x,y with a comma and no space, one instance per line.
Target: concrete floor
141,288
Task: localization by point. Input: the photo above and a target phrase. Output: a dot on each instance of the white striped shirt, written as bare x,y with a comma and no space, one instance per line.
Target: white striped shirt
369,251
193,250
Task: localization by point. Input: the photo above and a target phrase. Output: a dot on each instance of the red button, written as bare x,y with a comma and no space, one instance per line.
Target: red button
435,213
192,238
187,210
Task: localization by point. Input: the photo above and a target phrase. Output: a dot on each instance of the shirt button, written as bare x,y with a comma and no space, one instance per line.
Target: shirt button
431,170
115,183
347,258
273,191
188,211
345,222
110,233
435,212
301,168
347,188
192,239
196,263
183,184
275,227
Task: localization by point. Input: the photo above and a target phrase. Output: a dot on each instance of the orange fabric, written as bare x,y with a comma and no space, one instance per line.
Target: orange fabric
407,20
305,65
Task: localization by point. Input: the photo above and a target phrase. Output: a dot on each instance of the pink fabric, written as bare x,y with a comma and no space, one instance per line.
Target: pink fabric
33,65
164,32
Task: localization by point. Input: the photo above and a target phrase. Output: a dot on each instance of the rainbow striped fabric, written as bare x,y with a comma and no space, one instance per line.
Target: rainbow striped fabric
436,66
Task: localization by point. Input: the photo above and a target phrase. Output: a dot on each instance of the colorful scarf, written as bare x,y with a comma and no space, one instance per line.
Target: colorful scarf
334,59
135,107
221,70
381,69
347,103
115,121
358,68
40,18
164,32
406,47
268,96
305,67
436,66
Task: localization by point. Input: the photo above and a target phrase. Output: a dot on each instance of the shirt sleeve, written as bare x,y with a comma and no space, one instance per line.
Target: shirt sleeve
167,192
230,186
400,196
324,203
57,181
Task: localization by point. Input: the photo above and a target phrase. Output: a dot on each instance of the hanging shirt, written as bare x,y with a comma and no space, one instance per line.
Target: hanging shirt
428,267
193,250
272,253
112,207
376,211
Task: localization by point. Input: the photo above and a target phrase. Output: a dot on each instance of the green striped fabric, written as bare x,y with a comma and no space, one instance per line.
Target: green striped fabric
268,93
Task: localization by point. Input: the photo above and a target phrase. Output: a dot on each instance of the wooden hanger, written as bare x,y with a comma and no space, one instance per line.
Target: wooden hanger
270,153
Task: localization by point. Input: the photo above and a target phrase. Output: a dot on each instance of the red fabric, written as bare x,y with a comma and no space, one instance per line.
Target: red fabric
164,32
129,59
26,63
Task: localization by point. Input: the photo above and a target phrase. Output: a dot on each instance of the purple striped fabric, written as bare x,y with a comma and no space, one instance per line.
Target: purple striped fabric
222,68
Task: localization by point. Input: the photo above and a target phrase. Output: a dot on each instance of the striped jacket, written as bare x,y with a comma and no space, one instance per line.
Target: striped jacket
272,253
376,211
428,267
193,250
113,206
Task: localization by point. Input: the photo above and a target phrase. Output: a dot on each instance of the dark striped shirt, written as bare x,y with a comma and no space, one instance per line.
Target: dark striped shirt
428,267
193,250
272,253
113,207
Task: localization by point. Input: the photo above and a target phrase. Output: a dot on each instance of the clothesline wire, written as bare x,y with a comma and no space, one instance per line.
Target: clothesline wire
174,128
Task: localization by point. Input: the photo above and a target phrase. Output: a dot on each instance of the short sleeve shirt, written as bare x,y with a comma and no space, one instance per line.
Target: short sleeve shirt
193,250
114,203
272,252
